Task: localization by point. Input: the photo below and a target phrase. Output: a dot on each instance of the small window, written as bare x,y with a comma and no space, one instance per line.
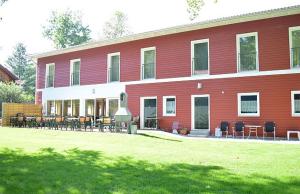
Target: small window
113,67
248,104
247,52
295,46
169,106
296,103
75,72
50,108
200,57
50,70
148,66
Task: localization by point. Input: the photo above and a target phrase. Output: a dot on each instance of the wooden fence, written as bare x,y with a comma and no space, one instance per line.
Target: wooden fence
11,109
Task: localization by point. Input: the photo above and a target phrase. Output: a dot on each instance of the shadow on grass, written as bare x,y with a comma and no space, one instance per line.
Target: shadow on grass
78,171
157,137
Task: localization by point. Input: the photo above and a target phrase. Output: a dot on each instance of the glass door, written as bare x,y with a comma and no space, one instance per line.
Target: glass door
150,113
200,111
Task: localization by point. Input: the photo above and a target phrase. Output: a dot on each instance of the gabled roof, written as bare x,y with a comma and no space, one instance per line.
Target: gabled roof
9,73
292,10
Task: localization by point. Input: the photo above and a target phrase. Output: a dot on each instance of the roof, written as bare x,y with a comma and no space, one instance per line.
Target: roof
292,10
8,72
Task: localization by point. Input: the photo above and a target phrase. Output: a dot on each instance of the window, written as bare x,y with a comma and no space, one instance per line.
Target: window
89,107
50,69
75,107
75,72
295,46
169,106
113,72
248,104
247,52
113,105
295,103
148,57
51,108
200,57
67,108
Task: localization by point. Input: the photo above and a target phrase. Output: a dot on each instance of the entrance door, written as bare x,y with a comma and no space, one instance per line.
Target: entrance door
200,112
148,113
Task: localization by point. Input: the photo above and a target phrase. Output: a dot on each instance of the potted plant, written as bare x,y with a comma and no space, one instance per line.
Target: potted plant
134,125
183,131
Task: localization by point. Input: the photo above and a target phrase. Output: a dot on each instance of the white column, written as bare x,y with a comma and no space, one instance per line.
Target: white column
82,107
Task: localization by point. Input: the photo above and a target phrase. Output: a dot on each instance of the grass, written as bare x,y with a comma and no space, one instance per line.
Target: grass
44,161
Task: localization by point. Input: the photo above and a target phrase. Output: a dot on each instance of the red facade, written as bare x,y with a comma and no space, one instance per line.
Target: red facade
173,60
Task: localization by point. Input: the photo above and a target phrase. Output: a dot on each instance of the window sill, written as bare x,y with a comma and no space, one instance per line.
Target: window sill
169,115
249,115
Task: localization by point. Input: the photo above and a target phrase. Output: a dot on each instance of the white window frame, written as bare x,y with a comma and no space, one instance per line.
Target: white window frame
165,106
193,42
142,62
291,29
193,111
239,105
109,65
107,104
71,70
47,74
238,36
293,103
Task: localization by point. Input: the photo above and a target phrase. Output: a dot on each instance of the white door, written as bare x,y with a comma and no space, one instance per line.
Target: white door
148,112
200,112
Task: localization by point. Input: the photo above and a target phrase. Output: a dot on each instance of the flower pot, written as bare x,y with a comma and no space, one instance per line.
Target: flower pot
183,131
133,129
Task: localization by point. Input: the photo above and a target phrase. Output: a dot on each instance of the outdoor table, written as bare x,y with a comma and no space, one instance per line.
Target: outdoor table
253,129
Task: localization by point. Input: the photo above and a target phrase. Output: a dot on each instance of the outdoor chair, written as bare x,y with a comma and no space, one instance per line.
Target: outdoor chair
224,127
88,122
38,122
59,123
20,121
175,127
106,122
239,127
269,127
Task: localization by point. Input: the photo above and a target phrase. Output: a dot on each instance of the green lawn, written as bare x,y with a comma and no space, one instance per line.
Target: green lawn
44,161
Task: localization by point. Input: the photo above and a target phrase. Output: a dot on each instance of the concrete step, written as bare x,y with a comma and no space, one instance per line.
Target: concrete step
199,133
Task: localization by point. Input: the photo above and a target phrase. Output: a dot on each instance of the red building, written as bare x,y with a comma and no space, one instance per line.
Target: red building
240,68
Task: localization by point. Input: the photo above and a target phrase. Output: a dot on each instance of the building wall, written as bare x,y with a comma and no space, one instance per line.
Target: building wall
173,53
274,90
4,76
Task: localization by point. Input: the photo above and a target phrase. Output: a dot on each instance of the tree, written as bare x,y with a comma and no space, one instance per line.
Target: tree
66,29
23,67
11,92
117,26
2,2
194,7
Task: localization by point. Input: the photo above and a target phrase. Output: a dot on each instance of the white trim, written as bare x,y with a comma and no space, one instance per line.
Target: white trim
109,65
292,10
71,70
142,62
291,29
165,107
47,73
193,54
238,36
193,78
193,108
142,100
293,103
239,105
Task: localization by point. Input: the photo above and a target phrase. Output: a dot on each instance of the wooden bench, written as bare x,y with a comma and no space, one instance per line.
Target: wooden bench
289,132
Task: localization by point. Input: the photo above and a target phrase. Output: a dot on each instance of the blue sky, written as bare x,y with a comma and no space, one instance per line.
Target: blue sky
23,19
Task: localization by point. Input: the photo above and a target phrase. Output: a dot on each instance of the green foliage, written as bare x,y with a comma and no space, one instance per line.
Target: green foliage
65,29
117,26
11,92
194,7
23,67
